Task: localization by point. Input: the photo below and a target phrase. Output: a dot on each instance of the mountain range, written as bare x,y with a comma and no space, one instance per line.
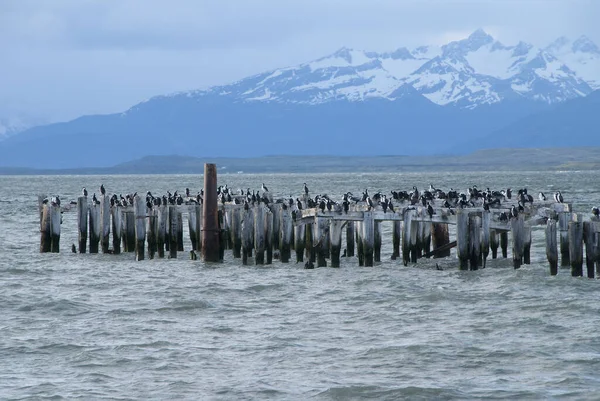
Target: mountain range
470,94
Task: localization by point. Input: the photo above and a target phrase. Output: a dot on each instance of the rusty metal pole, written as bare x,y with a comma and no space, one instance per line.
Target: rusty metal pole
210,226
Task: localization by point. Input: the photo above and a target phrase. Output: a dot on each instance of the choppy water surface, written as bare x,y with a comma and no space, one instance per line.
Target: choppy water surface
103,326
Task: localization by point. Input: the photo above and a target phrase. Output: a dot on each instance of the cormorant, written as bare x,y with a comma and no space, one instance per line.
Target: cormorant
102,190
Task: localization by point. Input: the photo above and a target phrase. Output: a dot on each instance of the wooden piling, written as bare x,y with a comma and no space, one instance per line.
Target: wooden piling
161,229
117,222
518,239
140,226
415,243
474,241
368,239
55,221
485,235
425,233
247,234
504,244
377,241
94,226
210,223
462,238
360,253
494,243
269,235
129,230
527,246
309,249
104,223
259,235
173,226
299,242
396,238
440,236
45,231
199,221
152,231
236,232
551,246
223,234
179,232
286,230
590,247
335,229
276,210
563,226
350,239
193,225
576,248
406,229
320,229
82,223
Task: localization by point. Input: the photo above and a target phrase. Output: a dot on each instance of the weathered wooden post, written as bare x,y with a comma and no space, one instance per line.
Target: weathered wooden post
55,220
210,223
527,246
350,238
236,232
415,242
494,243
173,226
396,238
247,234
551,246
406,245
563,227
259,235
504,244
462,238
335,228
576,248
425,237
474,241
193,226
590,247
104,223
377,241
152,231
161,229
360,249
45,231
140,226
269,235
200,220
440,236
94,227
299,242
179,230
82,222
485,235
226,229
309,249
223,234
368,224
130,222
285,237
276,209
117,222
320,229
517,225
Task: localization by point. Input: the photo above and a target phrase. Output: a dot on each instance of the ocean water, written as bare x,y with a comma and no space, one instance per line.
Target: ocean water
106,327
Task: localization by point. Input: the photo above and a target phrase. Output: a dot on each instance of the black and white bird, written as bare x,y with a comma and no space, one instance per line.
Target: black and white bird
369,202
264,188
542,197
558,197
514,212
299,204
430,210
84,192
305,189
102,190
596,211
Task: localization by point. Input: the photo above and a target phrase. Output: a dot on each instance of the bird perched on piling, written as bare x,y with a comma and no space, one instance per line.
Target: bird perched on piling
558,197
542,197
305,189
514,212
596,211
84,192
102,190
264,188
430,210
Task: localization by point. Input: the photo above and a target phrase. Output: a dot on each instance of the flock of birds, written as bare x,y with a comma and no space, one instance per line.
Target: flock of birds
449,200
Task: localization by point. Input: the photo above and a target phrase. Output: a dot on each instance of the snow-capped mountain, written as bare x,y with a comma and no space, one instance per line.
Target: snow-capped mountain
13,125
468,73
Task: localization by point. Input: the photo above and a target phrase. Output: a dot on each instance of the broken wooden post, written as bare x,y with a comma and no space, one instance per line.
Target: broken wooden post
518,238
55,220
104,223
335,228
45,231
236,232
368,239
377,241
474,241
259,235
161,229
193,225
117,222
425,233
247,234
415,243
563,226
129,226
94,227
152,231
276,209
210,223
407,216
82,222
359,243
396,238
551,246
269,235
179,230
299,242
440,236
309,249
140,226
527,246
590,247
286,230
494,243
173,226
462,238
350,238
320,229
504,244
576,247
485,235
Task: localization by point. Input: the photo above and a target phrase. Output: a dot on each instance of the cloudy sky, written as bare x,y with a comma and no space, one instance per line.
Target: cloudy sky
61,59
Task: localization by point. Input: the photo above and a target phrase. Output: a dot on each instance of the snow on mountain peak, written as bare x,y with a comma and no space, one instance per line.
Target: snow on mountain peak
584,45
